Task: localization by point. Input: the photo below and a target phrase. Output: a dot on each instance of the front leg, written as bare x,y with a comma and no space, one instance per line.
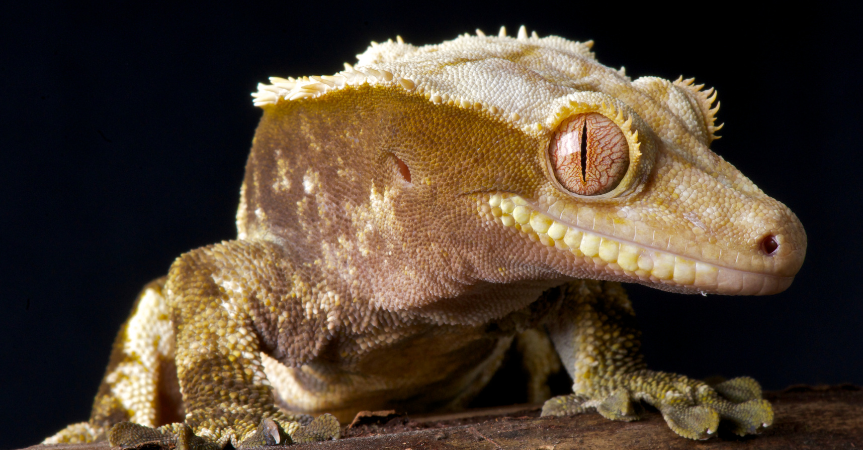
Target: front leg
217,317
599,343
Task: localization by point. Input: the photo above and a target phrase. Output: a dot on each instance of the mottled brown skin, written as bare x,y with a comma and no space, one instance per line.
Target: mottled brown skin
448,255
371,273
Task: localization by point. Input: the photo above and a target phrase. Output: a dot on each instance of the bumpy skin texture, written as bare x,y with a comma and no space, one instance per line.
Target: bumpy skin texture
404,221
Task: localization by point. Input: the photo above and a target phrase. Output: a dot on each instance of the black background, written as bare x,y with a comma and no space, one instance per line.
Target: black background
124,130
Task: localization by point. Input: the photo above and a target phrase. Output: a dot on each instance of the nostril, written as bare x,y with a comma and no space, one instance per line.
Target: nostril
769,244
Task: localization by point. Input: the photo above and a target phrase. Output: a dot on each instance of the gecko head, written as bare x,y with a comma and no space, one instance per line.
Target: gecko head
428,172
627,189
622,184
606,177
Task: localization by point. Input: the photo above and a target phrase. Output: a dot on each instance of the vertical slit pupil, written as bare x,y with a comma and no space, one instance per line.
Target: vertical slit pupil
584,152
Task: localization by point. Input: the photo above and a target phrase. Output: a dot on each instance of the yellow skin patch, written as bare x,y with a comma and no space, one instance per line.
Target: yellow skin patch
403,221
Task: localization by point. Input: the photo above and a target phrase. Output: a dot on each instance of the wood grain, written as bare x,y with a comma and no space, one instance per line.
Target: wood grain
827,417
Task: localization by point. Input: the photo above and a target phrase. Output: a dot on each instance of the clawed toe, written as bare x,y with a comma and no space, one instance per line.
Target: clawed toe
616,406
693,422
739,390
564,405
750,417
619,406
267,433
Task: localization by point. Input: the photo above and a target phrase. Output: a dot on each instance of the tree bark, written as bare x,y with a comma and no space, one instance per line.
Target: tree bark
829,417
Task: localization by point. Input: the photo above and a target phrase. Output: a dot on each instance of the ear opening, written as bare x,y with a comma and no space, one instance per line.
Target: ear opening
404,170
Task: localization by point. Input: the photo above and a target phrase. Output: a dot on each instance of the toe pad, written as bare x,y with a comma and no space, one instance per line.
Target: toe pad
324,427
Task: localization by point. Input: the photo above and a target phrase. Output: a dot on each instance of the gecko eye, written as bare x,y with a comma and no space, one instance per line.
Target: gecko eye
589,154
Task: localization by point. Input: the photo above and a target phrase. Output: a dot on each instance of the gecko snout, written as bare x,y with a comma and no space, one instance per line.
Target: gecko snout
783,245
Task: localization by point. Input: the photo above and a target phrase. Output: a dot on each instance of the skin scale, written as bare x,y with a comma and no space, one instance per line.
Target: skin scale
403,222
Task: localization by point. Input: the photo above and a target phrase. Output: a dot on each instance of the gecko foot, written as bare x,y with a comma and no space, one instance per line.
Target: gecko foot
128,435
268,433
179,436
323,428
565,405
78,433
617,406
691,408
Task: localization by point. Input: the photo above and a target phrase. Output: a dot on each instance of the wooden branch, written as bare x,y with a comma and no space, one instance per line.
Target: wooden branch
829,417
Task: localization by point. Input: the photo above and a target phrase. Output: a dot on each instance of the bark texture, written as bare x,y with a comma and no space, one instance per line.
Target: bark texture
829,417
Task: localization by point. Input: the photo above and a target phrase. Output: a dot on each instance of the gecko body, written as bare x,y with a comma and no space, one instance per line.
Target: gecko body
404,221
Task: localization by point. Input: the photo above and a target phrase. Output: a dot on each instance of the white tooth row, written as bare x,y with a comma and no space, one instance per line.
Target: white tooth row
642,263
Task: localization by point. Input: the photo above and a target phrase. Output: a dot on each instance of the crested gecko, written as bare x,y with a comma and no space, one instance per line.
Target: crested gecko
403,222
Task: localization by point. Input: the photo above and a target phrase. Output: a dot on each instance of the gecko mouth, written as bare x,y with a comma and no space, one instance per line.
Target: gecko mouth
624,260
